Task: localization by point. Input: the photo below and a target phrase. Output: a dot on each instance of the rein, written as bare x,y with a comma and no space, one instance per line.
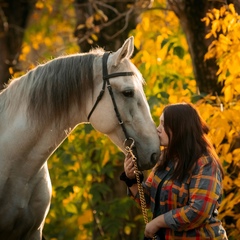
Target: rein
140,189
129,142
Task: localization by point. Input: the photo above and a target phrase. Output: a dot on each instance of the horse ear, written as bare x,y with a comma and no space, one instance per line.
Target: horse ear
125,51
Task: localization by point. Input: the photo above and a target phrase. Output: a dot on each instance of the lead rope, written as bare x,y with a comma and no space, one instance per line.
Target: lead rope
139,184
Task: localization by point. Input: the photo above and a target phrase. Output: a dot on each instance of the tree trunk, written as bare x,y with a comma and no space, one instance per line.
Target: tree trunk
190,13
14,15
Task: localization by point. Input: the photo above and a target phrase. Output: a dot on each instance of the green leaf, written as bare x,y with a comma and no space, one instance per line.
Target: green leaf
179,51
71,208
164,94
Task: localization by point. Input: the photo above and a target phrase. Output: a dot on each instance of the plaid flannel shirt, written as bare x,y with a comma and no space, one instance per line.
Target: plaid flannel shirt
190,206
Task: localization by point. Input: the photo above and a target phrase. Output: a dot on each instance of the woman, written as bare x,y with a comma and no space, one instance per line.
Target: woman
184,190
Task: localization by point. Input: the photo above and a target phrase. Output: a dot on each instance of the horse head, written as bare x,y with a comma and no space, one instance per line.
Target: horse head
122,112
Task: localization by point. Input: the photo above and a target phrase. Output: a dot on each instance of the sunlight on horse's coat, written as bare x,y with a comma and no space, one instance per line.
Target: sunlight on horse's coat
39,110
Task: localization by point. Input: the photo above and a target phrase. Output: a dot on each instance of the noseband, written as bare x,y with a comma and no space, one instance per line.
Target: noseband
106,78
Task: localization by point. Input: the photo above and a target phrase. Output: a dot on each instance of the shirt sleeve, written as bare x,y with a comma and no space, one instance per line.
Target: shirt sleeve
204,193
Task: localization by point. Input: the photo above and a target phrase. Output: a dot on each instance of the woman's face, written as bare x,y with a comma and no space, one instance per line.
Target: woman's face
161,132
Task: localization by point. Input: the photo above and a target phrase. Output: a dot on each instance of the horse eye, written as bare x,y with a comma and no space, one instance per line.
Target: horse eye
128,93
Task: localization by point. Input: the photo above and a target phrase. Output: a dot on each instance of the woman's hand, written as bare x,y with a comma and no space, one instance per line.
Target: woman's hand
151,229
153,226
129,167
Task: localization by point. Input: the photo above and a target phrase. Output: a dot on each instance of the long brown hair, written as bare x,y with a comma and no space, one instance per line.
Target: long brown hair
187,133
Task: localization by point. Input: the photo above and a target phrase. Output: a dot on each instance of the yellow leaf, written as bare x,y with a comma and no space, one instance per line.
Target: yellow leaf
237,182
26,49
76,189
224,40
80,26
228,158
216,14
100,14
11,70
222,11
228,94
47,41
208,35
215,27
224,205
227,183
89,178
127,230
219,134
224,28
225,148
210,15
71,138
236,155
89,22
145,23
237,88
106,158
39,5
173,98
85,218
94,37
232,9
35,45
137,43
206,20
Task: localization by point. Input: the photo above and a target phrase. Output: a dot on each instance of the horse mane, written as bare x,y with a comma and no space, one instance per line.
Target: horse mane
49,88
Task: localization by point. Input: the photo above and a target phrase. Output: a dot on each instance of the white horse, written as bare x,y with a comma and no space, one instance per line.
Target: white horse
39,110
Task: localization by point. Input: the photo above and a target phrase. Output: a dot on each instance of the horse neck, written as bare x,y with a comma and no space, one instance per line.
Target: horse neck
51,134
32,144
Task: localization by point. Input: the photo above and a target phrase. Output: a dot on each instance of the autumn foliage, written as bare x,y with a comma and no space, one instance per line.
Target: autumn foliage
225,131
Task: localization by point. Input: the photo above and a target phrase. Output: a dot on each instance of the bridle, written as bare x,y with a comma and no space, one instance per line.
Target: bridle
106,81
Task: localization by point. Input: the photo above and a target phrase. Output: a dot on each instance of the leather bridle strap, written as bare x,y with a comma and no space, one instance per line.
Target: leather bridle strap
106,78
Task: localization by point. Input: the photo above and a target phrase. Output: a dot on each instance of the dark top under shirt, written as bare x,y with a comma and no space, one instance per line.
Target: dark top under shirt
157,211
